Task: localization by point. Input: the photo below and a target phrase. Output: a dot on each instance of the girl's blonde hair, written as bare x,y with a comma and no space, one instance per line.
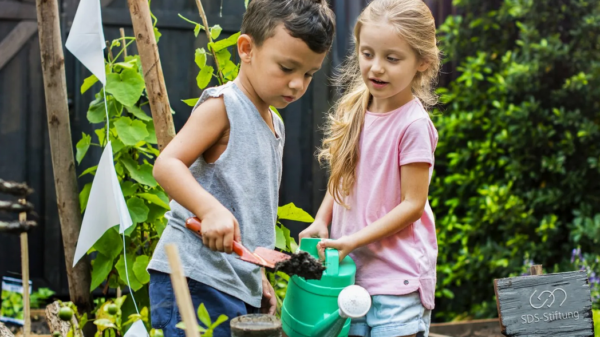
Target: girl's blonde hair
412,21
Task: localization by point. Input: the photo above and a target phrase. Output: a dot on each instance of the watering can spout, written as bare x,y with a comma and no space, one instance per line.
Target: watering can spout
330,326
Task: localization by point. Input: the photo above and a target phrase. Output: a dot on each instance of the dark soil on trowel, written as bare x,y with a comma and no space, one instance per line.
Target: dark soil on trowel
303,265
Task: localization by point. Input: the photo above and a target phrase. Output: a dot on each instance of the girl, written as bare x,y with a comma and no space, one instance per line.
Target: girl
380,147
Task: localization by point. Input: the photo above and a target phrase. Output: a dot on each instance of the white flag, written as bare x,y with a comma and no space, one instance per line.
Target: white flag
86,38
106,206
137,329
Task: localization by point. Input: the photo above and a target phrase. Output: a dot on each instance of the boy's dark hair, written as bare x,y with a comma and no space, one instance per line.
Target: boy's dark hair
310,20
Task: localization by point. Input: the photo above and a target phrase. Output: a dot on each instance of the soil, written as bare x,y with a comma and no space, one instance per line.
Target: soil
38,324
303,265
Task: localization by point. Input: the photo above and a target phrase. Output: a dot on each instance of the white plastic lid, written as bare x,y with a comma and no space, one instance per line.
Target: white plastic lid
354,302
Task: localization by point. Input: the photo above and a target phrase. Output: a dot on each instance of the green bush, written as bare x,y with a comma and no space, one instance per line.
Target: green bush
517,173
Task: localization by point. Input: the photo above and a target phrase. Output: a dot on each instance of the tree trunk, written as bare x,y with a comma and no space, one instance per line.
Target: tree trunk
61,146
153,74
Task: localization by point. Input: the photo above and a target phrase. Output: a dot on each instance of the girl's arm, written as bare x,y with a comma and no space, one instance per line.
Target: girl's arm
206,127
322,220
415,188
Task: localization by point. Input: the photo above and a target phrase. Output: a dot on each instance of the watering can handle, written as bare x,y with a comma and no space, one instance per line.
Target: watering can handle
332,261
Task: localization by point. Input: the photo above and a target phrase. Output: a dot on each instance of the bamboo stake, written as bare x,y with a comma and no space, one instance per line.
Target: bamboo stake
61,146
25,274
182,292
205,23
124,42
153,74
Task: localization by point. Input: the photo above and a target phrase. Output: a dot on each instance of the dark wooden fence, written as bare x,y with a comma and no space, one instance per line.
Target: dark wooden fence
24,148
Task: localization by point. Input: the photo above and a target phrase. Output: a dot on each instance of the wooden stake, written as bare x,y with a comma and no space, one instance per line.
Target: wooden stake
206,29
153,74
535,270
25,274
182,292
61,146
124,42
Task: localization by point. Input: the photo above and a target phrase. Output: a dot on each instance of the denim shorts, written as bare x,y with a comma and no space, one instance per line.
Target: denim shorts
392,316
164,312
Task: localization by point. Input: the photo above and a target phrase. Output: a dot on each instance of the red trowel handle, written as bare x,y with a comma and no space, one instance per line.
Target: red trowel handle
193,224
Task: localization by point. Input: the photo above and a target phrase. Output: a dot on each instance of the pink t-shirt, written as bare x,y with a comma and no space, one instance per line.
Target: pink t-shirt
404,262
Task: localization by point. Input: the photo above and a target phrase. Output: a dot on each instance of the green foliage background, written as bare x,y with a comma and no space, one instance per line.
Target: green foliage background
517,166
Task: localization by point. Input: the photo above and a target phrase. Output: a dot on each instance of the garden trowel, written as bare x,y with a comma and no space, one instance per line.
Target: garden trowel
261,256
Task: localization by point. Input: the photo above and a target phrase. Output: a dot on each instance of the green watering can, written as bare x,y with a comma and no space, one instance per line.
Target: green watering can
323,308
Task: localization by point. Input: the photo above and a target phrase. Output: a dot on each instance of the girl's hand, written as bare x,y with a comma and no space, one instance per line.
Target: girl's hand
317,229
345,245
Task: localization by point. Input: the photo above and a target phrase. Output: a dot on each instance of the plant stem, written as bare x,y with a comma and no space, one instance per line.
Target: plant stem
124,49
205,21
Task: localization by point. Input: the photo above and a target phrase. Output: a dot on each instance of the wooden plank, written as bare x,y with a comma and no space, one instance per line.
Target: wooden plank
546,305
15,40
473,328
13,10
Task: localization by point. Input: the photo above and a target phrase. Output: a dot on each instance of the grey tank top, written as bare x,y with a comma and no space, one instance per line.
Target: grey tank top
245,179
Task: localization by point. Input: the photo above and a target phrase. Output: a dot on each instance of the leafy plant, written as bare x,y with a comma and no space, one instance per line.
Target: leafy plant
209,326
38,298
517,164
133,140
12,304
109,318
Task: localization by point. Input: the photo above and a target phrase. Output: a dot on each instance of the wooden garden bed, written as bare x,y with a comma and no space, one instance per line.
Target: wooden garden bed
474,328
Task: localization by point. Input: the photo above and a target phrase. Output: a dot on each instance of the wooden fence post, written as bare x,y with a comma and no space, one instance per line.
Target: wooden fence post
153,74
61,146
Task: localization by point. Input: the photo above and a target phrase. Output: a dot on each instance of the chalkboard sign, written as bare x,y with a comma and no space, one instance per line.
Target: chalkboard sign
545,305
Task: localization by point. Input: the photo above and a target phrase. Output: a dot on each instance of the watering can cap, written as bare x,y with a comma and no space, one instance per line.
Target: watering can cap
354,302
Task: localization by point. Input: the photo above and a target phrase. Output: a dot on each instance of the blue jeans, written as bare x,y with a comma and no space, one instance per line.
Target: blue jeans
392,316
165,313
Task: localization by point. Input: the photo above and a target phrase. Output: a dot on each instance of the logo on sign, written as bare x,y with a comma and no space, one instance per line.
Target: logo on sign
546,299
550,297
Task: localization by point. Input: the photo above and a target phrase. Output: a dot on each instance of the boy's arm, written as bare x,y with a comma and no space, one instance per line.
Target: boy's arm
206,126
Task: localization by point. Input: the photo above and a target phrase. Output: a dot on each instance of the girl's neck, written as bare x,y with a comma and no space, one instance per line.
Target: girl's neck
388,104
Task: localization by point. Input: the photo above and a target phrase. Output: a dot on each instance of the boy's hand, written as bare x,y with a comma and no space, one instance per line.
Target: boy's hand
219,230
345,245
317,229
269,300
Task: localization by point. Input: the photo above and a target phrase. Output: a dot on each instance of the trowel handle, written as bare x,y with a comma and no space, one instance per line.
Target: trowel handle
332,261
194,224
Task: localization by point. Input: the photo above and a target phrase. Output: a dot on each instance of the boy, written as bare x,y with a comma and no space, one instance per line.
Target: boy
233,146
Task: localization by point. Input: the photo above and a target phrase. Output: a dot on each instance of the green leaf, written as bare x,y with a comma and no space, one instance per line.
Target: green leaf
89,170
280,242
222,44
215,31
291,212
246,3
82,146
103,323
204,316
101,134
100,269
190,102
157,34
131,131
88,83
223,56
161,201
110,243
84,196
222,318
134,284
126,87
138,112
204,77
128,188
117,146
277,112
197,30
138,209
97,112
142,174
139,268
200,58
151,138
160,225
